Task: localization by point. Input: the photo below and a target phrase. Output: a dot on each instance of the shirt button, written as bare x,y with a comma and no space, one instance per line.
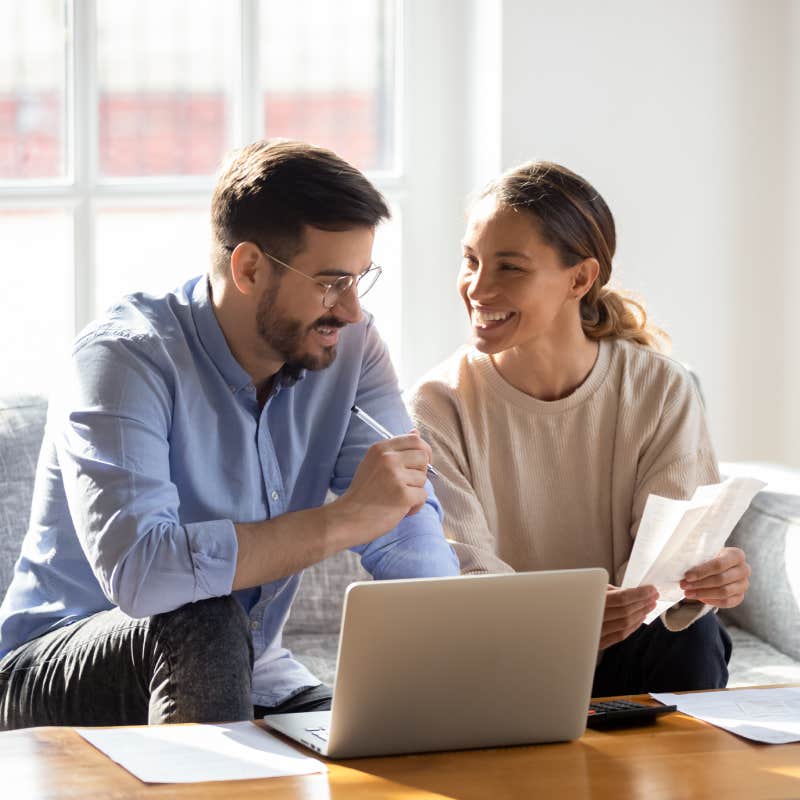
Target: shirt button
254,625
275,495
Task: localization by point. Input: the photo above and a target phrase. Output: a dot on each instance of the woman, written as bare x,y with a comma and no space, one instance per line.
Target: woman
553,428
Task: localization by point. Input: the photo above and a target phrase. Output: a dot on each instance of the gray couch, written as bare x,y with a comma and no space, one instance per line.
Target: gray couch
765,628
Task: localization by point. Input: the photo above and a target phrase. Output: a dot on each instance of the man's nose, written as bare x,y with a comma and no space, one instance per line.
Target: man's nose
348,306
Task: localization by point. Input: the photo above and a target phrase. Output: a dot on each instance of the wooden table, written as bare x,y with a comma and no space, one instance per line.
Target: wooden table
676,757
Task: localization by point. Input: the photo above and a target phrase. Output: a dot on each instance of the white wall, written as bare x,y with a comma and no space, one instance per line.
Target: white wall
686,118
791,295
434,155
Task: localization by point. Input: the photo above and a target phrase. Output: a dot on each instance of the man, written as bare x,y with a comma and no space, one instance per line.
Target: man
180,489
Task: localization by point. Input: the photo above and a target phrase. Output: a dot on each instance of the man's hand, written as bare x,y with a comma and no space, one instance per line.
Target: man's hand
720,582
625,612
389,484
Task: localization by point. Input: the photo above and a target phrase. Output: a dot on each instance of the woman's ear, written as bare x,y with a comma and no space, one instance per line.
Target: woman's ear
246,268
583,277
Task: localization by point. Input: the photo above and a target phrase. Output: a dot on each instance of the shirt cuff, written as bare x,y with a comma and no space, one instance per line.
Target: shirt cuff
213,548
416,548
683,614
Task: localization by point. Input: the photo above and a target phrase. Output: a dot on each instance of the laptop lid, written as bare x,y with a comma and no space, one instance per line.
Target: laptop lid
473,661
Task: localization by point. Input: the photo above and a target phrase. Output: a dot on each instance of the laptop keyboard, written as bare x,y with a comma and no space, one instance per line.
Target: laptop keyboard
320,731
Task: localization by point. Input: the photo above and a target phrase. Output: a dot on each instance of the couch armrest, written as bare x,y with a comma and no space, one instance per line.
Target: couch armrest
769,534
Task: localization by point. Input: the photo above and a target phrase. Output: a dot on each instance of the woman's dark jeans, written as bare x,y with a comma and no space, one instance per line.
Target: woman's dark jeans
654,659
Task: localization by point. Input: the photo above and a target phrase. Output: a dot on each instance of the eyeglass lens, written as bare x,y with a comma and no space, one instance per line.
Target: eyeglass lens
363,282
366,280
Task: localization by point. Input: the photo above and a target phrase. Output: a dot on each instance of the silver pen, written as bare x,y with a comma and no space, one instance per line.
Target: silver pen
383,433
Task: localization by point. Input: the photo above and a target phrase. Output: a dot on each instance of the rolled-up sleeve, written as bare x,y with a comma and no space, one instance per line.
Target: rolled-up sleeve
114,454
416,548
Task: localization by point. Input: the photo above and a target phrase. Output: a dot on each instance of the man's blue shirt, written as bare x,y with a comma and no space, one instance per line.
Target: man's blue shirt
155,448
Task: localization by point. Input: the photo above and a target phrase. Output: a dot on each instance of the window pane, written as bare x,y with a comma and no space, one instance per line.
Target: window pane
33,36
36,310
384,300
148,250
163,78
327,75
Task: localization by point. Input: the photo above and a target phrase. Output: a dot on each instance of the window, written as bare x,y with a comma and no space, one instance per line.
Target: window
114,115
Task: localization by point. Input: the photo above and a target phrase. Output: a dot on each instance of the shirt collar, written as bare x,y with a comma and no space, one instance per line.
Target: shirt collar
213,340
289,375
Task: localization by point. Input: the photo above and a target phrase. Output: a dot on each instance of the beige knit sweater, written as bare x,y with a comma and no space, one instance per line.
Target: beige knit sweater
532,485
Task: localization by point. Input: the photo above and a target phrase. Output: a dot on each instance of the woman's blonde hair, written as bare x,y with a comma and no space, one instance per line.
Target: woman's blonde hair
572,217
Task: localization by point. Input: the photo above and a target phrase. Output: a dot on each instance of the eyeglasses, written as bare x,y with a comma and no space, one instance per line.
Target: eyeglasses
333,291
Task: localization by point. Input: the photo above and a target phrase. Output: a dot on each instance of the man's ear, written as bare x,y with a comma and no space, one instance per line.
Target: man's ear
247,268
584,275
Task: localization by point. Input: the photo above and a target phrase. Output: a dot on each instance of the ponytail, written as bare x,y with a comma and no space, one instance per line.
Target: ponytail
608,313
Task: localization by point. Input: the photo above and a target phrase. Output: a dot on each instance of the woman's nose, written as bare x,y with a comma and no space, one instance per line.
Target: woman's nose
479,284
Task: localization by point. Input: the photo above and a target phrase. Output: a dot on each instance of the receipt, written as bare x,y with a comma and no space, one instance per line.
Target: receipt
676,535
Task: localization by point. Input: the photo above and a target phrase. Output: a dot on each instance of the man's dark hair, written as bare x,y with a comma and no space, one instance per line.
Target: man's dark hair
268,191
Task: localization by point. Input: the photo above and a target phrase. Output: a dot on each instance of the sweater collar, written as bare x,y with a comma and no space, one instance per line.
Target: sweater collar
502,387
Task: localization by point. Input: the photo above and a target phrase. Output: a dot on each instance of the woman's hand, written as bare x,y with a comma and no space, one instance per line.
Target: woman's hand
720,582
625,612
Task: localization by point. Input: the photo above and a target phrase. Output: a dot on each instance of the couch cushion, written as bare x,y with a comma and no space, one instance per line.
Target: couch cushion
317,651
312,632
769,533
22,419
317,609
755,663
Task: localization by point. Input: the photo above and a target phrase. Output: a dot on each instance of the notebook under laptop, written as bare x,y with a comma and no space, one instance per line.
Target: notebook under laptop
455,663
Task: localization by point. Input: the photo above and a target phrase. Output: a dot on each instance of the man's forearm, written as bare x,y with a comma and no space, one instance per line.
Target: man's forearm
278,547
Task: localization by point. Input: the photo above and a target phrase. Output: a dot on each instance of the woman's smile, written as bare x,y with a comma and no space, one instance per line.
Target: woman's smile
485,319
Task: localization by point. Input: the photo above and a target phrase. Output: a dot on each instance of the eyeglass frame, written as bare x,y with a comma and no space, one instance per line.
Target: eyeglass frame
350,280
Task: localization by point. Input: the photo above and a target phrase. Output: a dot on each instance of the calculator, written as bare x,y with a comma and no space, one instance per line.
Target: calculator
623,713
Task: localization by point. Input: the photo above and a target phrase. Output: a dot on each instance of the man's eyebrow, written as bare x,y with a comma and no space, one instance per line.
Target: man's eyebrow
331,272
336,272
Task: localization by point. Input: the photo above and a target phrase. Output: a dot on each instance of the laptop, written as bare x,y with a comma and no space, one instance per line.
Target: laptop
455,663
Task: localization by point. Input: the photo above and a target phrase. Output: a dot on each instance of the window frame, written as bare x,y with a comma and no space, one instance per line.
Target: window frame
83,190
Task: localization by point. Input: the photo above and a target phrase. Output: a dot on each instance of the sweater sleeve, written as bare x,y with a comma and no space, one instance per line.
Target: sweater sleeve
435,414
679,458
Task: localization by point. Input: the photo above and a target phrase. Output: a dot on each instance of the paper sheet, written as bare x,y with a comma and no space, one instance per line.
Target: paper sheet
196,753
763,715
676,535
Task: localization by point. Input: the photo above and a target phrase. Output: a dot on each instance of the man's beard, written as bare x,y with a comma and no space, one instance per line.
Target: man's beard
285,336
